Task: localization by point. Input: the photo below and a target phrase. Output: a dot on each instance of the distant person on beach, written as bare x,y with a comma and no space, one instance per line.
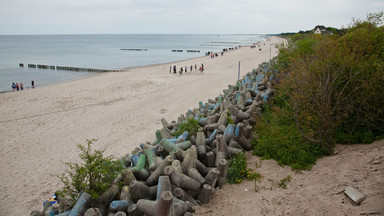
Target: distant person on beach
174,69
17,86
181,71
170,69
33,84
13,86
195,67
21,86
186,68
191,68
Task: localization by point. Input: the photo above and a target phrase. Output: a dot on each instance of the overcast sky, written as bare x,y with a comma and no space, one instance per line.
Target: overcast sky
177,16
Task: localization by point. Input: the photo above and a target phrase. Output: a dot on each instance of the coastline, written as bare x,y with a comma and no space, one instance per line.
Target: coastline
100,52
41,127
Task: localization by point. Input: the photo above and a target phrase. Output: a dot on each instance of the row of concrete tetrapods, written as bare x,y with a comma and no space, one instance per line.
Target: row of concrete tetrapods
173,174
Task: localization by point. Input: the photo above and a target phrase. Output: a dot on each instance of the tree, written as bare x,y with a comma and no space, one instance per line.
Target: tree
93,176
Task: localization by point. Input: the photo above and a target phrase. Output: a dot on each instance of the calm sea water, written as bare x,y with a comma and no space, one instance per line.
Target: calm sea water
100,52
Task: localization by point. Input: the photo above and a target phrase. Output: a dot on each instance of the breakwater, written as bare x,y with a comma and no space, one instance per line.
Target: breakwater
133,49
66,68
173,174
174,50
187,50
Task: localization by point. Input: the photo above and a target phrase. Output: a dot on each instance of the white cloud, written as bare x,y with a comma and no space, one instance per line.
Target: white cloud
177,16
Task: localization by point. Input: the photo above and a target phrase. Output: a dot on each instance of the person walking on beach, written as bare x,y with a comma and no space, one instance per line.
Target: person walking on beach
21,86
33,84
13,86
174,69
191,68
17,86
186,69
181,71
195,67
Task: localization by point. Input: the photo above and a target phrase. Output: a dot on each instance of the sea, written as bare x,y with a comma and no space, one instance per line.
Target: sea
104,52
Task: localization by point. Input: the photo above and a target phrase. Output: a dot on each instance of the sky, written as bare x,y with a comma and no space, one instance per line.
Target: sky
178,16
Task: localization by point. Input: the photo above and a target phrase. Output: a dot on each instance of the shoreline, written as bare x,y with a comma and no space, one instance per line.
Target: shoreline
41,128
112,59
124,69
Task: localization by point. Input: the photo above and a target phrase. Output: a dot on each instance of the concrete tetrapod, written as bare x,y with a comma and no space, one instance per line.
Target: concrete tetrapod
239,136
163,185
81,205
222,149
154,177
205,194
189,160
125,194
106,198
183,195
212,176
180,207
201,143
181,180
161,207
139,170
119,205
139,190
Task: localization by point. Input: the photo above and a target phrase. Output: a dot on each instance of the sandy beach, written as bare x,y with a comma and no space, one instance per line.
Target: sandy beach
41,127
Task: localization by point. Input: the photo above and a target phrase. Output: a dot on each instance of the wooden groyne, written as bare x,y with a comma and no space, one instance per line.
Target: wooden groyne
187,50
173,174
133,49
66,68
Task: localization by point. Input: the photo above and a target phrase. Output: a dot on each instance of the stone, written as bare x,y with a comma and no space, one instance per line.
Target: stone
354,195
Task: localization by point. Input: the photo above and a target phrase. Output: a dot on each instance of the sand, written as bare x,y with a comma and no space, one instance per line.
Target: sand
315,192
41,127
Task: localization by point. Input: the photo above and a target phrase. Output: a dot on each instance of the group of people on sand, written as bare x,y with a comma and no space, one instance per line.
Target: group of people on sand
17,87
185,69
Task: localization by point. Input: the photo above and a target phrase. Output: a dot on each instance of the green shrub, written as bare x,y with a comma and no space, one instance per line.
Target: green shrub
94,175
280,139
334,85
237,170
191,125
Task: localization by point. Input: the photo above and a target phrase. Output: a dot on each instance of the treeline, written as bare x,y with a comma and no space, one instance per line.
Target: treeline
329,90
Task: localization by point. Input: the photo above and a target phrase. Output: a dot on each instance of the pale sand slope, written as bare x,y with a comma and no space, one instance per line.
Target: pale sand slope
315,192
40,128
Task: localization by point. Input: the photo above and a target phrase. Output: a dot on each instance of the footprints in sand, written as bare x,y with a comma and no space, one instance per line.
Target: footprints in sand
162,111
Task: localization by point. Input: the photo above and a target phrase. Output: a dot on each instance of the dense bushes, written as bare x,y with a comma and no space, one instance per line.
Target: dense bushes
329,91
280,139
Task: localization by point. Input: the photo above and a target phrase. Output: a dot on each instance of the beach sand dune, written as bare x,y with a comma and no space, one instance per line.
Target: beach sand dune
41,127
316,192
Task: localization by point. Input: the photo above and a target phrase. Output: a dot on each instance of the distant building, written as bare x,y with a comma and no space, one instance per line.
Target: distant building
320,29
